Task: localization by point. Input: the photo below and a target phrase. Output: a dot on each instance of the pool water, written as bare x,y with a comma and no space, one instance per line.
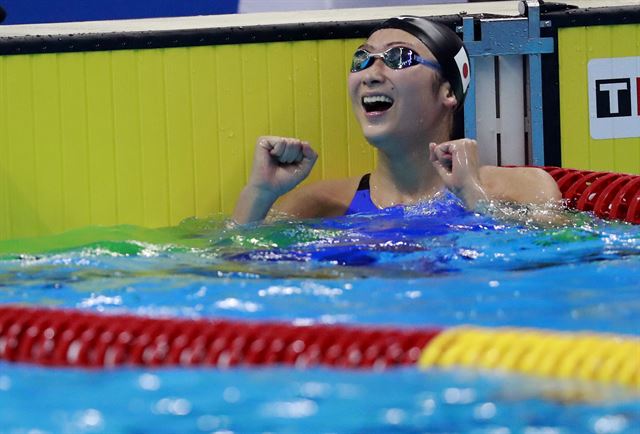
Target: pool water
433,265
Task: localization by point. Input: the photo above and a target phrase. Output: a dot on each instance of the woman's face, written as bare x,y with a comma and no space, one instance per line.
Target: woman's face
398,105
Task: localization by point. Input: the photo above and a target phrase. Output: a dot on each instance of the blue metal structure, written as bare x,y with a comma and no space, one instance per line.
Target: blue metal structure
502,37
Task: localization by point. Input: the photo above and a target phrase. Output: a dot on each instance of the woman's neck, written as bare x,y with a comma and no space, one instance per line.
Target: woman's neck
404,178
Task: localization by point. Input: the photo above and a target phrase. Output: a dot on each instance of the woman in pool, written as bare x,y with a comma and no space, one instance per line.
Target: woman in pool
405,84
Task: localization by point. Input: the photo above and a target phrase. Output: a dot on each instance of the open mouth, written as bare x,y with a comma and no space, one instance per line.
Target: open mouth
376,103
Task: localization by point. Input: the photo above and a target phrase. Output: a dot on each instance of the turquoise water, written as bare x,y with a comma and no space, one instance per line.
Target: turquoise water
430,266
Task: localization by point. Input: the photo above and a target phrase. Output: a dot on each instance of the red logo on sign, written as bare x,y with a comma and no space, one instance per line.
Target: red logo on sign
465,70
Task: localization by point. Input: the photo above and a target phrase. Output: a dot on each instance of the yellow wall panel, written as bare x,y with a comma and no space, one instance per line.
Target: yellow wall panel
4,150
76,195
574,104
126,128
281,103
576,47
334,158
205,127
179,133
306,94
48,161
21,176
151,137
231,139
128,156
100,139
255,90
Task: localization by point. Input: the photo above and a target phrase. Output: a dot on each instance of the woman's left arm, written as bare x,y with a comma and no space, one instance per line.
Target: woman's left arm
457,163
527,185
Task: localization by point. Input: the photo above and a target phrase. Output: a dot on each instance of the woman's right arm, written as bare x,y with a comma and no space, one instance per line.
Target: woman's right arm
279,164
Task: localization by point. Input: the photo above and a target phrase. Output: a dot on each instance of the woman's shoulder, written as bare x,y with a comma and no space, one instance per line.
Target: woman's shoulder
325,198
519,184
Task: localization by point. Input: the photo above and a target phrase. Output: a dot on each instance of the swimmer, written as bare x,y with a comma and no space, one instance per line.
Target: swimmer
406,82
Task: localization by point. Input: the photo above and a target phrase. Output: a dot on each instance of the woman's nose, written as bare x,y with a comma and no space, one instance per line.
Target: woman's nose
375,73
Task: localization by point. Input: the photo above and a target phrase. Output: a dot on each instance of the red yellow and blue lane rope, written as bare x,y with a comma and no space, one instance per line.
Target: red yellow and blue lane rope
58,337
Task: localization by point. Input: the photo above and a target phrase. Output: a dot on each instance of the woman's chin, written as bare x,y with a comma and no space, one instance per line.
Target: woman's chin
379,138
382,129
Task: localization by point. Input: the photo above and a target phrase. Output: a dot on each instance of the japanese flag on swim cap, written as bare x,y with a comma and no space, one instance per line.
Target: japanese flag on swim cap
445,45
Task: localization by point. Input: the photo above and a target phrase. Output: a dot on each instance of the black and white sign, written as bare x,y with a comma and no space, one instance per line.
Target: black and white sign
614,97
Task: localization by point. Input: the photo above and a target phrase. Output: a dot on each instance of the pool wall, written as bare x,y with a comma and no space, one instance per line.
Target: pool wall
148,122
153,136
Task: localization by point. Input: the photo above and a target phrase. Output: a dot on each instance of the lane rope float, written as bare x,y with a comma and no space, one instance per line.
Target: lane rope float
73,338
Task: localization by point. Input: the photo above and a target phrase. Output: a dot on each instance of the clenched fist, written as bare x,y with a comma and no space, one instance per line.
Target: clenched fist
457,164
281,163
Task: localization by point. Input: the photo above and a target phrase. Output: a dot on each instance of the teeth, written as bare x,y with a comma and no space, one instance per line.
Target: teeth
376,98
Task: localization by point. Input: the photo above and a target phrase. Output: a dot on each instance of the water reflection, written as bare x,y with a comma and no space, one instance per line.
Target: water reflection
316,400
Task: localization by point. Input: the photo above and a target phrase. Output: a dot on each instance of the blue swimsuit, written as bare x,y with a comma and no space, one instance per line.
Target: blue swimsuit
362,203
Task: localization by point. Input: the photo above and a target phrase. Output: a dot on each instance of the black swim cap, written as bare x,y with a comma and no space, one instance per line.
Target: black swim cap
445,45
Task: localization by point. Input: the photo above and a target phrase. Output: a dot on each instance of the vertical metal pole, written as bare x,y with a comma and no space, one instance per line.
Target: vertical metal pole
535,103
535,88
487,124
470,102
533,17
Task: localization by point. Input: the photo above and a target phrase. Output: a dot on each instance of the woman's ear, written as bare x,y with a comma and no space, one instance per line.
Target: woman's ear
448,97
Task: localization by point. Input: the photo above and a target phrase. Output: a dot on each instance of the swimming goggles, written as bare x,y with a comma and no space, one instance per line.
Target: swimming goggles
394,58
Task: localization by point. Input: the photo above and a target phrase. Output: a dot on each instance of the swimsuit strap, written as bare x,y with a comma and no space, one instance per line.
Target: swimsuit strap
364,182
361,201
